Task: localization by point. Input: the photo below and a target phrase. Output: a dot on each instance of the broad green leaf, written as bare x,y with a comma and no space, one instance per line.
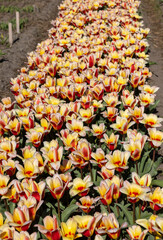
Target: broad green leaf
127,213
143,160
68,211
152,107
103,209
158,183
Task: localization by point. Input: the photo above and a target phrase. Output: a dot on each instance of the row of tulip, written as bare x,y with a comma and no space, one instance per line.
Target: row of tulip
78,145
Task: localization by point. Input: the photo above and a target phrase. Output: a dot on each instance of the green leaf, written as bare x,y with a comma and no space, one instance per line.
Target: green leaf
68,211
152,107
11,206
143,160
157,183
147,167
103,209
127,213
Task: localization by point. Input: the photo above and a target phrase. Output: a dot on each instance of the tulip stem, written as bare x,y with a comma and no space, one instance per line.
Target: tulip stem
81,173
90,169
109,210
137,167
154,154
134,217
117,207
123,137
59,212
139,210
137,124
6,205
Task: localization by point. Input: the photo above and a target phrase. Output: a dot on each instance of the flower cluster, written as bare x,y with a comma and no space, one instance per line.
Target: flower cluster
78,144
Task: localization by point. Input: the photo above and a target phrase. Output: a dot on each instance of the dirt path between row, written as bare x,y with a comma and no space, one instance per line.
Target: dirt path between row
35,32
152,13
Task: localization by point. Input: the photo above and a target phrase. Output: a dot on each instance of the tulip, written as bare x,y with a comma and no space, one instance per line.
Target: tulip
121,125
125,114
98,131
159,226
54,157
117,182
134,191
136,233
111,141
135,148
32,205
30,169
83,149
86,204
11,195
155,137
98,91
156,199
27,121
77,126
24,235
34,137
3,184
99,157
56,120
20,218
14,126
118,160
111,114
69,139
111,100
86,224
9,166
46,125
149,89
137,113
50,229
129,101
6,232
112,226
106,173
30,187
148,224
106,192
7,103
146,99
151,121
87,115
144,181
69,230
56,186
80,187
77,161
48,145
9,147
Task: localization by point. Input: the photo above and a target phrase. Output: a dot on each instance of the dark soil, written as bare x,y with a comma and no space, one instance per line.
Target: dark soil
33,33
152,12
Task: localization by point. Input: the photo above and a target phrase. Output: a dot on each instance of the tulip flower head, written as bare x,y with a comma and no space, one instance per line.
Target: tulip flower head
80,187
118,160
50,228
135,233
134,192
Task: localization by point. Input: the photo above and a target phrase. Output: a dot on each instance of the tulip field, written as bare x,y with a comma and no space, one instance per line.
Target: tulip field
79,144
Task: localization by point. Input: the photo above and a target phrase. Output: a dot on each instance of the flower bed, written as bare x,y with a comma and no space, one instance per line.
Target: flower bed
78,148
